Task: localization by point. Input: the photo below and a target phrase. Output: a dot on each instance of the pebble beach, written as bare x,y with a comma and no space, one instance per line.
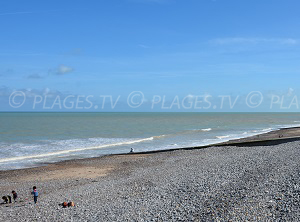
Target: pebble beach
218,183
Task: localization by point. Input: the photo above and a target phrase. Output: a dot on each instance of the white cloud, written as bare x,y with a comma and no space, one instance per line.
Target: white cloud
290,91
31,93
61,70
190,98
290,41
281,93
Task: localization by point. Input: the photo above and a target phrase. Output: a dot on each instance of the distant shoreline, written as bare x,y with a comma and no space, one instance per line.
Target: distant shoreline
282,135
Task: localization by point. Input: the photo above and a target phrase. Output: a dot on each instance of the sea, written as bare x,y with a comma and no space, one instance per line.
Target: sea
34,139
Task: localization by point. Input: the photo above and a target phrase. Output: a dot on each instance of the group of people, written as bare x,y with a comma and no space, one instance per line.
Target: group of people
7,199
66,204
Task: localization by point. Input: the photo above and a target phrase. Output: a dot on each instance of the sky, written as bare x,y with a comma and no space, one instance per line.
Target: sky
150,55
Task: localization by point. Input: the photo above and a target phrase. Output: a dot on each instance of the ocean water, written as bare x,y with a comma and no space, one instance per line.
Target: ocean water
32,139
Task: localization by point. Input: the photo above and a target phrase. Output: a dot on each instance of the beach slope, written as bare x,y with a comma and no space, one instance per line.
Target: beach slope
232,182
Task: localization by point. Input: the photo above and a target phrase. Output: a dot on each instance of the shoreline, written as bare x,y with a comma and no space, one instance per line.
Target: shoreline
237,183
273,137
277,136
251,179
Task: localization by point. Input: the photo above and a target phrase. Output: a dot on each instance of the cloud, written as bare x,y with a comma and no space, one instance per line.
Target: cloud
281,93
31,93
61,70
290,91
239,40
190,98
35,76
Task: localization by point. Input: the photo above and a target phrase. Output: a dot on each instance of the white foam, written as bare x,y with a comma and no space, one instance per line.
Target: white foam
206,130
158,137
223,137
72,150
268,129
288,125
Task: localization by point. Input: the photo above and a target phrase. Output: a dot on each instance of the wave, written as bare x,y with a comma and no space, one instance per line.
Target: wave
73,150
159,137
223,137
198,130
296,124
267,129
206,130
191,131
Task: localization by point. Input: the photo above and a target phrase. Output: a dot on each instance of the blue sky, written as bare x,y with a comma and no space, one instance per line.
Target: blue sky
158,47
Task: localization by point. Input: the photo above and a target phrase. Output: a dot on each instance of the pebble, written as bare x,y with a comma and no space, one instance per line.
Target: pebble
214,184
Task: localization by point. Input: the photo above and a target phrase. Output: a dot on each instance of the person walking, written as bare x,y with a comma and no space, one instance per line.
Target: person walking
35,194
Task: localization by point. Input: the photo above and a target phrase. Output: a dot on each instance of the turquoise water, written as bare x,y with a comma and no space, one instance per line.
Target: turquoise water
30,139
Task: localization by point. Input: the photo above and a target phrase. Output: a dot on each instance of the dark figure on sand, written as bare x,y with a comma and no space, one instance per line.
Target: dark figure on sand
66,204
6,199
15,195
35,194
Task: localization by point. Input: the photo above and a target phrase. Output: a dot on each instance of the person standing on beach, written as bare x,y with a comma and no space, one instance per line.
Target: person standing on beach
15,195
35,194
